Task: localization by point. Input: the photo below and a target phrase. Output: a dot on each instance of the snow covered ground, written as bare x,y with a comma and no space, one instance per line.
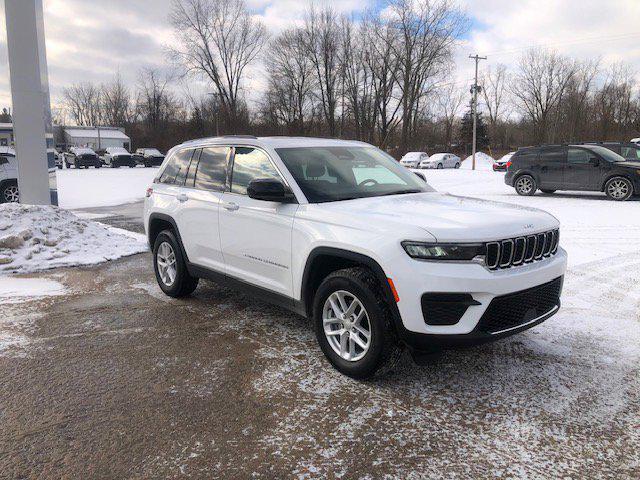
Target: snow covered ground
34,238
102,187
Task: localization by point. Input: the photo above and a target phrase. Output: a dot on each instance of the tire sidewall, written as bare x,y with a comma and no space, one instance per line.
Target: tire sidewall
533,188
181,267
367,365
629,195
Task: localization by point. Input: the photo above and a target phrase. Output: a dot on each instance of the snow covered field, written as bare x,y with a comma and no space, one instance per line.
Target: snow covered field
102,187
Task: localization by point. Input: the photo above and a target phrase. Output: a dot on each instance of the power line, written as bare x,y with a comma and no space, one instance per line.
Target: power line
475,88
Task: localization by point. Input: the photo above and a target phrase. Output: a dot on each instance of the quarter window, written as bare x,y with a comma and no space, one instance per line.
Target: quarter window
250,164
175,171
212,168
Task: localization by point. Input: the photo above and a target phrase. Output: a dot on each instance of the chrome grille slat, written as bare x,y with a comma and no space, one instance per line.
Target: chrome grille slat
512,252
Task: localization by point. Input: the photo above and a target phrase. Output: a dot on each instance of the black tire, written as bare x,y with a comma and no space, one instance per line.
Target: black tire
439,166
97,166
525,185
9,192
384,349
184,284
619,189
546,190
457,165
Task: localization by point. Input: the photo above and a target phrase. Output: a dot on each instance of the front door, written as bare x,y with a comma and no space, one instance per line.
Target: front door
255,234
581,170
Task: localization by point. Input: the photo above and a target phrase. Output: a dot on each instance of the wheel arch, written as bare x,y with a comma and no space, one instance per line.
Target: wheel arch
322,261
159,222
614,175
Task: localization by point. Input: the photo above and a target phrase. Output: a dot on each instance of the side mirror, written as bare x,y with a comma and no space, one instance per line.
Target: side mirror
269,190
421,175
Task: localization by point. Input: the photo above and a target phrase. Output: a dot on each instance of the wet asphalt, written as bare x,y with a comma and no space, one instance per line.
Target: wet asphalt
116,380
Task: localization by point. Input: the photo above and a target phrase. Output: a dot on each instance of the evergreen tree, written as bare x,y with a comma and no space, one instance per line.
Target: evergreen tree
466,131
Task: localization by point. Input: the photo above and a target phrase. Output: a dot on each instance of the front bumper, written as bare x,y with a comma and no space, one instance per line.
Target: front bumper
414,278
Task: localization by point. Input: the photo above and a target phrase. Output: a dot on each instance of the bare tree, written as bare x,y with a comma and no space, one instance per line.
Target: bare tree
427,32
154,102
291,80
449,100
322,40
494,90
116,102
539,86
83,102
218,39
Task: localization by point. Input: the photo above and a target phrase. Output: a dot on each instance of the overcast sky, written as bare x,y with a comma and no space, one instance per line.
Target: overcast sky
93,39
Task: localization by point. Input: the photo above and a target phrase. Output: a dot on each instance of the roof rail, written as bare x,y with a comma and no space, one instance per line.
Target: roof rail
239,136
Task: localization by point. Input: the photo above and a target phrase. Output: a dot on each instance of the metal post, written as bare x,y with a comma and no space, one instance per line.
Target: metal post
474,110
31,104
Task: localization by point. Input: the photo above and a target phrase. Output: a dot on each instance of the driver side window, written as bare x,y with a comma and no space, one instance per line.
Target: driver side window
250,164
577,156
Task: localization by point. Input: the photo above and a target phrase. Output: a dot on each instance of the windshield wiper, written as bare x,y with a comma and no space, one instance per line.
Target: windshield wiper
400,192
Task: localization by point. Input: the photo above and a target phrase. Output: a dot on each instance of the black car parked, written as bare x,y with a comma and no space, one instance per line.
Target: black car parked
573,167
80,157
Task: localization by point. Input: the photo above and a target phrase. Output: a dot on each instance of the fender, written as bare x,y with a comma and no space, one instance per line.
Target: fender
356,258
168,219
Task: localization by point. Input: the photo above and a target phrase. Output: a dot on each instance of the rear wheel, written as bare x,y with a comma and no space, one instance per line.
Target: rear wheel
619,189
170,267
353,324
457,165
546,190
9,193
440,165
525,185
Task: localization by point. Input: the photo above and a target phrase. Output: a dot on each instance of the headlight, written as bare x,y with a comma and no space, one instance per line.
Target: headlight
445,252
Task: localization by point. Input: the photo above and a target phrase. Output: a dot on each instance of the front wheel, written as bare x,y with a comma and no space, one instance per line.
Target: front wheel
353,324
457,165
526,185
440,165
170,267
619,189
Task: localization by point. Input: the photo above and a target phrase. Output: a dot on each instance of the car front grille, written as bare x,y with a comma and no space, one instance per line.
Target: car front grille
517,309
518,251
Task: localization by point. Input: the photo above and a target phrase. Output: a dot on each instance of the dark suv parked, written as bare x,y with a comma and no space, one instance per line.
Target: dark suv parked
573,167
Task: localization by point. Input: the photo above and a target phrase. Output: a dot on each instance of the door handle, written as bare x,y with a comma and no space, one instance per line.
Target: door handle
231,206
182,197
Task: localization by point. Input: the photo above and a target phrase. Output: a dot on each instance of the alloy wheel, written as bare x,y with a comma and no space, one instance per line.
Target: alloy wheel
524,184
11,194
346,325
167,265
618,189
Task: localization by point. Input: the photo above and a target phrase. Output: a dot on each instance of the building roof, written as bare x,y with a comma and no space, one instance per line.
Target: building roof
6,126
92,132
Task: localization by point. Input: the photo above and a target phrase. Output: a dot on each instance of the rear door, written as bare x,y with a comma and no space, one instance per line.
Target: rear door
550,167
256,234
582,170
198,221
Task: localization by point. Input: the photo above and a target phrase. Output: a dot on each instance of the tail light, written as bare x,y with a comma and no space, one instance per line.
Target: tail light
149,192
508,164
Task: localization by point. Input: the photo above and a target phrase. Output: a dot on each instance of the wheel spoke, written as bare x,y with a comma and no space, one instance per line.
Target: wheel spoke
344,340
333,333
362,332
335,307
343,303
356,339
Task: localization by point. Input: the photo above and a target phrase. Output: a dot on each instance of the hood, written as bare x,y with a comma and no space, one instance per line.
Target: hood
448,218
629,164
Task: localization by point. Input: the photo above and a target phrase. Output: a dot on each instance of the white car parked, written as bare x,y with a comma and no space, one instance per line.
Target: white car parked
413,159
116,157
8,175
441,160
337,231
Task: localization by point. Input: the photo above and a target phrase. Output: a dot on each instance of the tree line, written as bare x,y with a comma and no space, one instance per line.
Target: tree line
387,78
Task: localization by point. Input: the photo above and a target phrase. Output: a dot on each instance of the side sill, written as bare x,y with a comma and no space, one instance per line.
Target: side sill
249,289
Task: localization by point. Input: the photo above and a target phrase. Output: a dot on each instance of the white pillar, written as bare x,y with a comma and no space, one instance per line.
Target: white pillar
31,104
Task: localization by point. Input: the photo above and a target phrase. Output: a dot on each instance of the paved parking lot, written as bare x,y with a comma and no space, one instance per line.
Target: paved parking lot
116,380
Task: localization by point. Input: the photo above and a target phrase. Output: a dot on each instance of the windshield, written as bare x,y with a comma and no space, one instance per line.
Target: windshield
84,151
606,153
152,151
328,174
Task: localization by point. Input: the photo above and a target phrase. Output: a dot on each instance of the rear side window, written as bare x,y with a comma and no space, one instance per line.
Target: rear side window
176,169
525,156
250,164
211,173
556,155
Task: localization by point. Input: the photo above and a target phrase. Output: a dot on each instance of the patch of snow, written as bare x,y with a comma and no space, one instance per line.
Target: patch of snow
483,162
17,290
92,187
35,237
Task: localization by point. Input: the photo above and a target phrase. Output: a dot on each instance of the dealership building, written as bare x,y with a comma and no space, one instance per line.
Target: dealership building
95,137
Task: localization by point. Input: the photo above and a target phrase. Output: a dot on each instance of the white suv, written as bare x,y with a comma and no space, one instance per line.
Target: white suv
339,232
8,175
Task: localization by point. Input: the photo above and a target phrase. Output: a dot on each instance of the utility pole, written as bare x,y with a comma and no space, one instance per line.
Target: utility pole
474,108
